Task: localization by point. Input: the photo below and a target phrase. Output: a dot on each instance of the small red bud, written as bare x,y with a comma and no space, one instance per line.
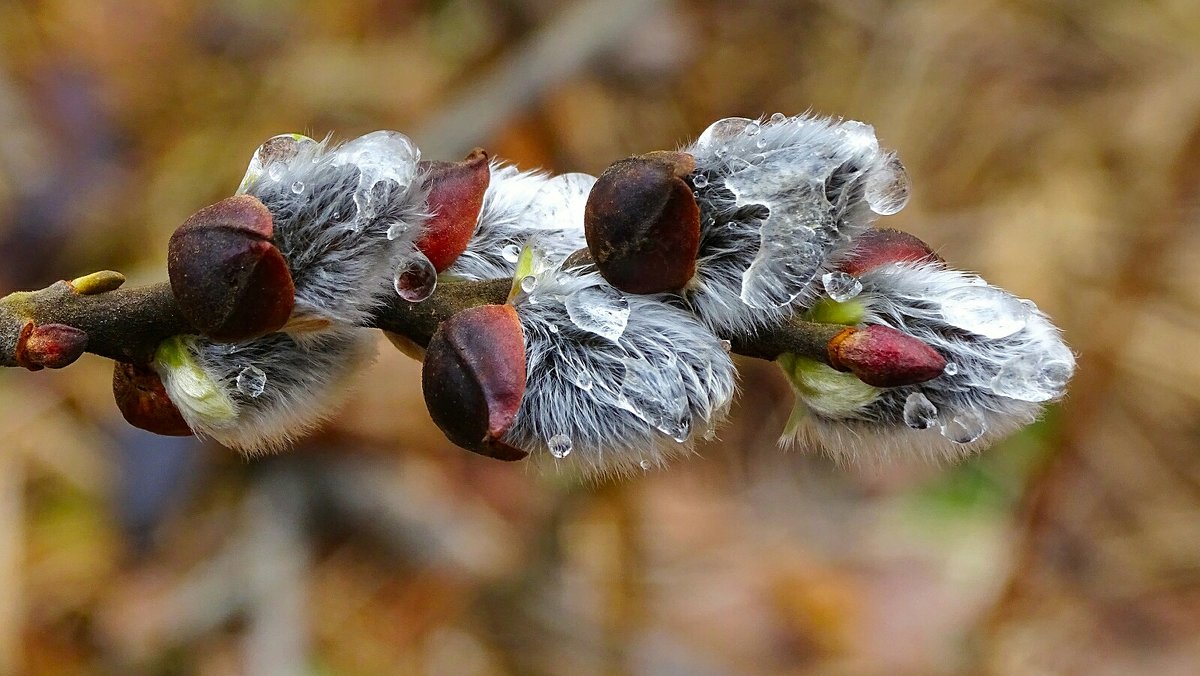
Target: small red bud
884,357
643,224
456,192
881,246
474,378
49,346
144,402
230,280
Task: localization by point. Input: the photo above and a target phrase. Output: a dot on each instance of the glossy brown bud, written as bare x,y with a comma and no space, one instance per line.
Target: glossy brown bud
884,357
49,346
474,377
230,280
643,224
144,402
456,192
881,246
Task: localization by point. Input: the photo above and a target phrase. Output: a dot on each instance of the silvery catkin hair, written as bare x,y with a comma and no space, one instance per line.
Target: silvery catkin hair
780,201
346,217
616,382
521,208
1005,361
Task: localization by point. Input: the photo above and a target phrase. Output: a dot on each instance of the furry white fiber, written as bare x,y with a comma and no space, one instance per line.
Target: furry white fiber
346,217
260,395
1006,361
521,208
617,382
780,200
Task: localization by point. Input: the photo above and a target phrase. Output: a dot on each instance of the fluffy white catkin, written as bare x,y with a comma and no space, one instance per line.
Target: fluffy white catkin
1005,362
780,200
522,208
617,382
346,217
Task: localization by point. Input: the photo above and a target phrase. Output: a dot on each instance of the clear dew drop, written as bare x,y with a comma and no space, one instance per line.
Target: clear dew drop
601,310
275,171
397,230
298,188
760,143
416,279
251,381
528,283
700,180
583,380
778,118
560,445
985,310
919,412
726,345
964,427
511,253
752,129
840,286
552,328
888,188
710,434
645,464
951,369
1033,378
721,132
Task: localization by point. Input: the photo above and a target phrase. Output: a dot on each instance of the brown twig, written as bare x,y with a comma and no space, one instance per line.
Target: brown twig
127,324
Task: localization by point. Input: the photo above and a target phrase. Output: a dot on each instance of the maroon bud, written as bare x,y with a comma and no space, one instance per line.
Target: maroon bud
49,346
474,377
456,192
881,246
144,402
643,224
230,280
884,357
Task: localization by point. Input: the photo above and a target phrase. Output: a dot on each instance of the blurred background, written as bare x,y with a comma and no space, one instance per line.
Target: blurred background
1054,146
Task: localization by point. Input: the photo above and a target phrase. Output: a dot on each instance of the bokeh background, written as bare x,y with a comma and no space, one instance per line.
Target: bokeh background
1054,146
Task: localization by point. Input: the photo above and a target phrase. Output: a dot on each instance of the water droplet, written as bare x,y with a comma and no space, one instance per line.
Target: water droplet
760,143
275,171
888,188
552,328
528,283
416,279
752,129
710,434
645,464
298,187
700,180
778,118
583,380
560,445
600,309
721,132
1034,378
726,345
919,412
951,369
985,310
397,230
964,427
251,381
840,286
511,253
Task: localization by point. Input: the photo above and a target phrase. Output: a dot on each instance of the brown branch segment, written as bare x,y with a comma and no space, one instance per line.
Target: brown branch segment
127,324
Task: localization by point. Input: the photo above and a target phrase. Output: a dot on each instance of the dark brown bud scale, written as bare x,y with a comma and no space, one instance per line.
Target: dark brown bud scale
143,401
456,191
643,224
473,378
230,280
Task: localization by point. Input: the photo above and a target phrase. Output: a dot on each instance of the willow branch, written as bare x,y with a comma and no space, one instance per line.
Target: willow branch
127,324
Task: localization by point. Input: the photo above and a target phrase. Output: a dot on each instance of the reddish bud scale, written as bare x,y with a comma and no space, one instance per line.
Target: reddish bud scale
456,191
877,247
473,378
49,346
884,357
230,280
144,403
642,223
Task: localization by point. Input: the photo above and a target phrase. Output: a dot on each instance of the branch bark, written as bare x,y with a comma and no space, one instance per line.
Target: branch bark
127,324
